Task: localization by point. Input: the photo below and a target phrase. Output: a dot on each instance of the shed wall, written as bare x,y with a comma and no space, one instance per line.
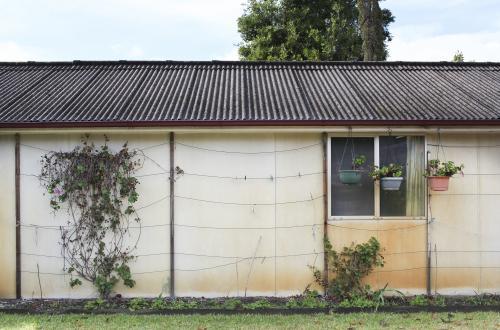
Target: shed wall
465,219
7,218
40,234
249,219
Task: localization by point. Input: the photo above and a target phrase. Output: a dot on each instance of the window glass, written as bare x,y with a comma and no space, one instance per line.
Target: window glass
351,200
408,151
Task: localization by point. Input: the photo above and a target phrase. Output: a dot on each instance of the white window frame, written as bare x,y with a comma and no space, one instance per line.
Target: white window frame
376,158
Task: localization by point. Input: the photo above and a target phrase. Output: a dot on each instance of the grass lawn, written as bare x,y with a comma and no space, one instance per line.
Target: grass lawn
479,320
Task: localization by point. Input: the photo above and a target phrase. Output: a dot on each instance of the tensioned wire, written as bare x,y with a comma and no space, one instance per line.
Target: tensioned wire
264,228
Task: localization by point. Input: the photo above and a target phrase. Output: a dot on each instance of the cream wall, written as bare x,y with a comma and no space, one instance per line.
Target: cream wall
465,219
257,235
218,221
40,244
7,218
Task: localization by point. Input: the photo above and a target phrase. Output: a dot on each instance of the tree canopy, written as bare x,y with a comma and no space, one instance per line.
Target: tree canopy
320,30
458,57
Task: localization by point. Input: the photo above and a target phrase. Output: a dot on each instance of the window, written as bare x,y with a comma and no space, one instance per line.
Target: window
361,199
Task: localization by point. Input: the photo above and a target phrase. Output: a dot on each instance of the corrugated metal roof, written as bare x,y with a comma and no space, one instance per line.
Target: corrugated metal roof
141,93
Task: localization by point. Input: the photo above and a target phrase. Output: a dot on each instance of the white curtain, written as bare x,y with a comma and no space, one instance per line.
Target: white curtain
415,180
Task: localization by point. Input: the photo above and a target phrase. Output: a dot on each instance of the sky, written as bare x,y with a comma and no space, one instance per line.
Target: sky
64,30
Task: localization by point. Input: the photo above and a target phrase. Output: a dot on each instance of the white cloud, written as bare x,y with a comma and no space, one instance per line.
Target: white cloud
11,51
481,46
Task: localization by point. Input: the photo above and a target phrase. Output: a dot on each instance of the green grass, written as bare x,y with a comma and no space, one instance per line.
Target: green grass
479,320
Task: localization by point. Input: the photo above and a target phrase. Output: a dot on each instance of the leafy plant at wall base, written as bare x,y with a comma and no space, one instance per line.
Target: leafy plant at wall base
138,304
232,303
359,301
419,301
439,301
259,304
99,190
181,304
378,296
309,299
95,304
349,267
159,303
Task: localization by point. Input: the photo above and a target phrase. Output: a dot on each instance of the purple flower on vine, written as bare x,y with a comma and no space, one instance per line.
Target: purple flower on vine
58,191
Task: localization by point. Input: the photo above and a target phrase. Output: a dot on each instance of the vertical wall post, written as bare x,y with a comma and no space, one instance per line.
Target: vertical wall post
18,216
324,138
172,213
427,233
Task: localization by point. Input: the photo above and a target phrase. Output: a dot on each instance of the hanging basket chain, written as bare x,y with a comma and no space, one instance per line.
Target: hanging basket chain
349,137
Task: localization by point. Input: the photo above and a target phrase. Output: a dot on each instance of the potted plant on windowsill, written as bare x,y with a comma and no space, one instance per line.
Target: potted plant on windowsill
353,176
390,176
439,173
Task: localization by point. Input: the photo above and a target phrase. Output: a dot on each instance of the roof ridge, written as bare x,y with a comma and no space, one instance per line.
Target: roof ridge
249,63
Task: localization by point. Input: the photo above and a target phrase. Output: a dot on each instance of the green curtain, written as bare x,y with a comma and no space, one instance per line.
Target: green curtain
415,180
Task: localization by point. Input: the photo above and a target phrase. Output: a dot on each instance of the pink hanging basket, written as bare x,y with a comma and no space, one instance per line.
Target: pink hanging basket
439,183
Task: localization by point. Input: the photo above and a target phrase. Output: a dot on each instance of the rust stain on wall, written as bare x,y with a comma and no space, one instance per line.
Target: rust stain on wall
225,283
455,278
403,248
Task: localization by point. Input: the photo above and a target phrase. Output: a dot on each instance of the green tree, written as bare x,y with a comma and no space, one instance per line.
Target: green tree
458,57
374,23
321,30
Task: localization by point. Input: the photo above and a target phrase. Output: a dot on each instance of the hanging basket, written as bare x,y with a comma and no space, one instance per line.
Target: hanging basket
350,176
439,183
390,183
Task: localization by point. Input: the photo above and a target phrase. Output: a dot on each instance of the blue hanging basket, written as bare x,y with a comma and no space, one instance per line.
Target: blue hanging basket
350,177
391,183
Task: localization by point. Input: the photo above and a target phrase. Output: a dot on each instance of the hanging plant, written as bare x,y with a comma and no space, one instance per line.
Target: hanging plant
390,176
353,176
99,190
439,173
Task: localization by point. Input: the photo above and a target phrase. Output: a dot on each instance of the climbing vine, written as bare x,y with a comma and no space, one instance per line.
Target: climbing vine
98,188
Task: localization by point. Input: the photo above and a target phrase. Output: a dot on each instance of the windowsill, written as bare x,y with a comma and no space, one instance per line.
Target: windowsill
367,218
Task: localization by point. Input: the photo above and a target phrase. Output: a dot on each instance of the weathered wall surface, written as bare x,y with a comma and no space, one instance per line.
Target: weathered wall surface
7,218
249,219
40,235
403,243
465,219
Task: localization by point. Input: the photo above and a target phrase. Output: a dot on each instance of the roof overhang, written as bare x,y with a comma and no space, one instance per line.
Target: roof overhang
248,123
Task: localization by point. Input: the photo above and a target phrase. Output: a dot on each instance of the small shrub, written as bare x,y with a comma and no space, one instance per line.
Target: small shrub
378,296
419,301
159,303
350,266
232,303
138,304
439,301
94,304
309,299
481,300
358,301
258,304
181,304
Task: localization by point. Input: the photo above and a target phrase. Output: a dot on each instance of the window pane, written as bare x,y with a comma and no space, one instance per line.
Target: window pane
351,200
409,200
